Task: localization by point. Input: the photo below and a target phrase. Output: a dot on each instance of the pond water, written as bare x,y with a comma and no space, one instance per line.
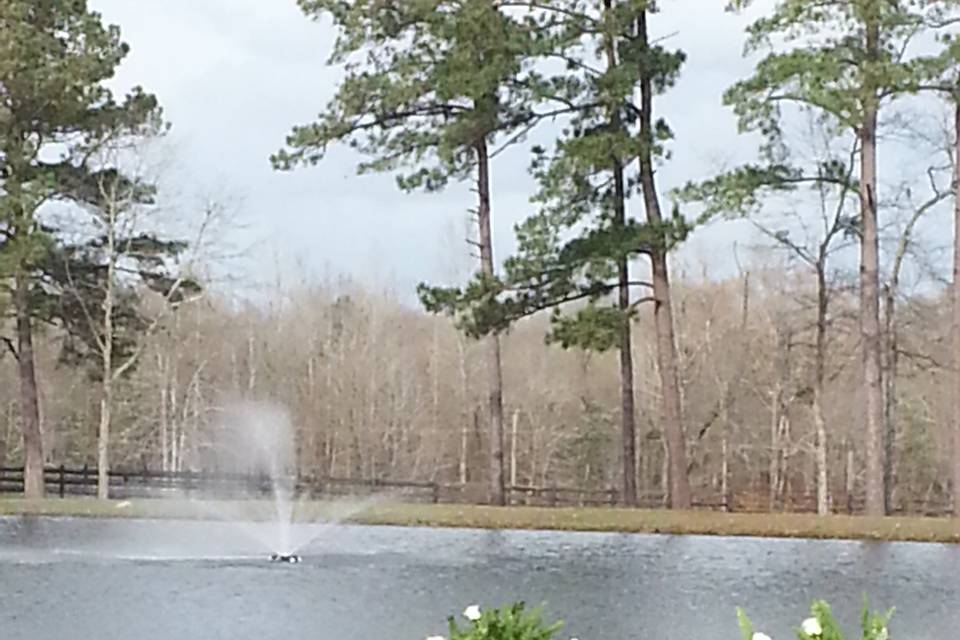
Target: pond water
160,580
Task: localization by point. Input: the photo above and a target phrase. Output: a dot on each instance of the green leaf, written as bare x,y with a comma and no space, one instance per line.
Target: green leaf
746,627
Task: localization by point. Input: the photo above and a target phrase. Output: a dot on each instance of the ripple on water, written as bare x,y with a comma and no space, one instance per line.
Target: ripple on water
156,580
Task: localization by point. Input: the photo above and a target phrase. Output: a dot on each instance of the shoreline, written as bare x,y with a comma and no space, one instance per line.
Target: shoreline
608,520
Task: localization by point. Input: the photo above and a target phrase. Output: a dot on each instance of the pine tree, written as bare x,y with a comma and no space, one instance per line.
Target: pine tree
54,58
580,246
433,89
850,59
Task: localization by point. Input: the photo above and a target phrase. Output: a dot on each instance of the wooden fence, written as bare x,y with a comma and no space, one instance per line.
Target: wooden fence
65,482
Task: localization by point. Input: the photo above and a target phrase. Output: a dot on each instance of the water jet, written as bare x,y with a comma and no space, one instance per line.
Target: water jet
257,440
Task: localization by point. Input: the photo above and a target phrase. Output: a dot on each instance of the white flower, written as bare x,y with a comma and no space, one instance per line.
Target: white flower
761,636
883,635
436,638
811,627
472,613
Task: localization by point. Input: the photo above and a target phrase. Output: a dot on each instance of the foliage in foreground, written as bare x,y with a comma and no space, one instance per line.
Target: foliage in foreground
514,622
511,622
821,625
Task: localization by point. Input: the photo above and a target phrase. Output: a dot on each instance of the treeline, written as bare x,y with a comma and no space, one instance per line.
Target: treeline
376,389
792,383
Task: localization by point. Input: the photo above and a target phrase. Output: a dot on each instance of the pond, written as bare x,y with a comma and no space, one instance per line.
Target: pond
155,580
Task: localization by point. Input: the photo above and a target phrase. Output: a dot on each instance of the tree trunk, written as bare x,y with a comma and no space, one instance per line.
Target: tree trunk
665,472
779,418
627,408
103,442
372,399
870,291
106,353
627,405
7,435
663,306
164,423
196,405
783,489
464,414
774,467
3,443
628,448
435,384
820,423
251,364
891,356
513,447
850,480
823,485
494,369
725,454
312,450
643,466
889,381
956,317
477,437
330,420
33,485
173,396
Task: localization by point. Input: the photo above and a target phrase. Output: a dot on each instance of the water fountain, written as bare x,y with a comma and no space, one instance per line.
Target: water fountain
246,507
280,557
257,440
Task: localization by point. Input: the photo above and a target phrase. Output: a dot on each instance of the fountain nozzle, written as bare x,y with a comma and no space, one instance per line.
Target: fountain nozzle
284,557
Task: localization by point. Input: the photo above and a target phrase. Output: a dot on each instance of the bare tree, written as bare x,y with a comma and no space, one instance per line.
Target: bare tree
567,433
955,466
127,250
891,329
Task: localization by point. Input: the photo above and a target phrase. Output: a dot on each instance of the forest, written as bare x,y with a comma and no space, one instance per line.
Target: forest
821,377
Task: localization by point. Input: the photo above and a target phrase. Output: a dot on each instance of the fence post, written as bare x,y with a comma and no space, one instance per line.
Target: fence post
436,492
86,470
62,481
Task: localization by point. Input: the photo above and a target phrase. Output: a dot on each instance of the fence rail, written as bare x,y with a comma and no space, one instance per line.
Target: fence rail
66,481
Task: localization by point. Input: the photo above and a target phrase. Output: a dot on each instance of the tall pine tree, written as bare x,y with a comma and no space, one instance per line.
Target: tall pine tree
433,89
581,244
54,108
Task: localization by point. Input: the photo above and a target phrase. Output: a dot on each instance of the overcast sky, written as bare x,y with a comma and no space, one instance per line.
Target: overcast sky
235,75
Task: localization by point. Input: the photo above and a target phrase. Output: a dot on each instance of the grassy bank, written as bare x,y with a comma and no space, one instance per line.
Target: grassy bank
561,519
